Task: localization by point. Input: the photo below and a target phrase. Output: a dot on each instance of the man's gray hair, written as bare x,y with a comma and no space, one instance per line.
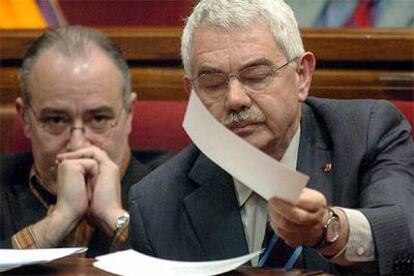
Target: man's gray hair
74,42
228,14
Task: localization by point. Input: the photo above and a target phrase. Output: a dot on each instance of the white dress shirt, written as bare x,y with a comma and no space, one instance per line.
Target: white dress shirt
360,245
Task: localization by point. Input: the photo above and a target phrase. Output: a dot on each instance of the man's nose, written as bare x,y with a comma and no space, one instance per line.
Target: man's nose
237,97
77,139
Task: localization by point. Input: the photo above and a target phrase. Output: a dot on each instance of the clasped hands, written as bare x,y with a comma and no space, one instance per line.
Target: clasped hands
88,185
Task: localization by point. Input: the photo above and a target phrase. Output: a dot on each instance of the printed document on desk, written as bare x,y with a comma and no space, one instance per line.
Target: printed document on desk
255,169
12,258
130,262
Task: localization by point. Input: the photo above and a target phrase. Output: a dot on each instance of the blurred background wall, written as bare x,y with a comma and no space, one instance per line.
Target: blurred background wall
310,13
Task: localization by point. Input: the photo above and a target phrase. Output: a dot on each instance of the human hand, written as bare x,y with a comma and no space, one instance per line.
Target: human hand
72,189
104,187
71,205
302,223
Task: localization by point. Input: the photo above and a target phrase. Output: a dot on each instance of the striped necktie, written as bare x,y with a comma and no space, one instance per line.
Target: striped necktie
277,253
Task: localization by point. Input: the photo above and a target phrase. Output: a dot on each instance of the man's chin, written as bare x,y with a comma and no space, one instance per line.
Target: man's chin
257,142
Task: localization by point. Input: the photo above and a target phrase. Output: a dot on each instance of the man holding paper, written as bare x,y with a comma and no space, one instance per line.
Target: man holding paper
72,189
245,61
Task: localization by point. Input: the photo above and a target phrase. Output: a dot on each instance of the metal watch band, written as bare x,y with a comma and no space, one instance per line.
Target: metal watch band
121,221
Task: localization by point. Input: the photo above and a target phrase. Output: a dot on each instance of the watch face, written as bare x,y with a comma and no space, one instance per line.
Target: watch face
333,230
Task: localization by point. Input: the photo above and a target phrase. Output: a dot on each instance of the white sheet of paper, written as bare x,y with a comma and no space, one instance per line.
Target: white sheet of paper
130,262
260,172
11,258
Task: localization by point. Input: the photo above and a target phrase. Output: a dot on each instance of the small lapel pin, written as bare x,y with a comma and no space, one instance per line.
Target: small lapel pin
327,167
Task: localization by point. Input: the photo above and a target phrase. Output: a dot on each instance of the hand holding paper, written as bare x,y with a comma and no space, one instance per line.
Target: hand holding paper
260,172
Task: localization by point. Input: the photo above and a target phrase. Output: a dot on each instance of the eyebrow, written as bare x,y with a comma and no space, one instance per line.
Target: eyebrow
48,110
207,69
260,61
99,109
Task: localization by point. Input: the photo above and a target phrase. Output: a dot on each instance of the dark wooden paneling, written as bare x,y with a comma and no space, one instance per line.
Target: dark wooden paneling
352,63
137,43
163,43
333,44
153,83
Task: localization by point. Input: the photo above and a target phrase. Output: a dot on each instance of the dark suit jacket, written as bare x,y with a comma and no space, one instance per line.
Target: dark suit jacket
20,208
187,208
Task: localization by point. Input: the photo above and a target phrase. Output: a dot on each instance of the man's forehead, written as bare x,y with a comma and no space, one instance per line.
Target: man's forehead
56,74
214,47
232,30
54,55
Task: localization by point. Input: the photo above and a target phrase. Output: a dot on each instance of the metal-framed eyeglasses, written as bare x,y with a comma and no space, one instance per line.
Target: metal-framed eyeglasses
60,124
255,77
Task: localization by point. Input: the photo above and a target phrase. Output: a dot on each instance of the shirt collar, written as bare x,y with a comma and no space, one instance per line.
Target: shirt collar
289,159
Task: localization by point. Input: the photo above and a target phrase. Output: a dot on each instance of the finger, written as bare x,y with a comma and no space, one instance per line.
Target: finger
91,152
84,166
311,200
309,208
285,225
288,228
296,234
294,214
91,181
89,190
289,239
292,244
293,233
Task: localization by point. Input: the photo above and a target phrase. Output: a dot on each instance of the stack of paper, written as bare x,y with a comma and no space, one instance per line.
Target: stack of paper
11,258
130,262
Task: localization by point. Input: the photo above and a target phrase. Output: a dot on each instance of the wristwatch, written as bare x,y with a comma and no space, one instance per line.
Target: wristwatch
121,221
330,231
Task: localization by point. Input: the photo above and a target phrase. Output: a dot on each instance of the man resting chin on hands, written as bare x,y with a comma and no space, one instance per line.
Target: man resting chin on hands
72,189
88,187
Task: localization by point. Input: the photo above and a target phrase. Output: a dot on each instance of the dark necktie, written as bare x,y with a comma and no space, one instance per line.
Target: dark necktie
277,253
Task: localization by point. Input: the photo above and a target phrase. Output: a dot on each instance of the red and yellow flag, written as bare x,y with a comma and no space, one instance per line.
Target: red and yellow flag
21,14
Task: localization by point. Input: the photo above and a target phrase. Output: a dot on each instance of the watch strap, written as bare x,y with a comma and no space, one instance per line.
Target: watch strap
323,242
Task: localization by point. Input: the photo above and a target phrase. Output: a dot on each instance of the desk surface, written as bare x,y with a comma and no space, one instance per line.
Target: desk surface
83,266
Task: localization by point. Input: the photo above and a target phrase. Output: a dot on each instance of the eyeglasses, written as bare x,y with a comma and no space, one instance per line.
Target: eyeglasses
256,78
62,124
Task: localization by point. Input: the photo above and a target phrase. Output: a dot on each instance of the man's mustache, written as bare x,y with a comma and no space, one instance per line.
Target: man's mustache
242,116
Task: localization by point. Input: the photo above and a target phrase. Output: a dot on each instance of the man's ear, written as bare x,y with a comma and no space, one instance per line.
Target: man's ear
132,99
21,112
187,85
305,71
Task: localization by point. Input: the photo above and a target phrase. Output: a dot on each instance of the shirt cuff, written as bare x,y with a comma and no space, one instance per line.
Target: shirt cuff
24,239
360,246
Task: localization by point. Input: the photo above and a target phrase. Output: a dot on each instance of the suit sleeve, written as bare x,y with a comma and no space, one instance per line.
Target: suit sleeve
137,233
387,182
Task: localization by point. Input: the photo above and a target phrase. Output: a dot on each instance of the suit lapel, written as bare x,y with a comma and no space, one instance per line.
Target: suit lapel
213,208
213,211
315,156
